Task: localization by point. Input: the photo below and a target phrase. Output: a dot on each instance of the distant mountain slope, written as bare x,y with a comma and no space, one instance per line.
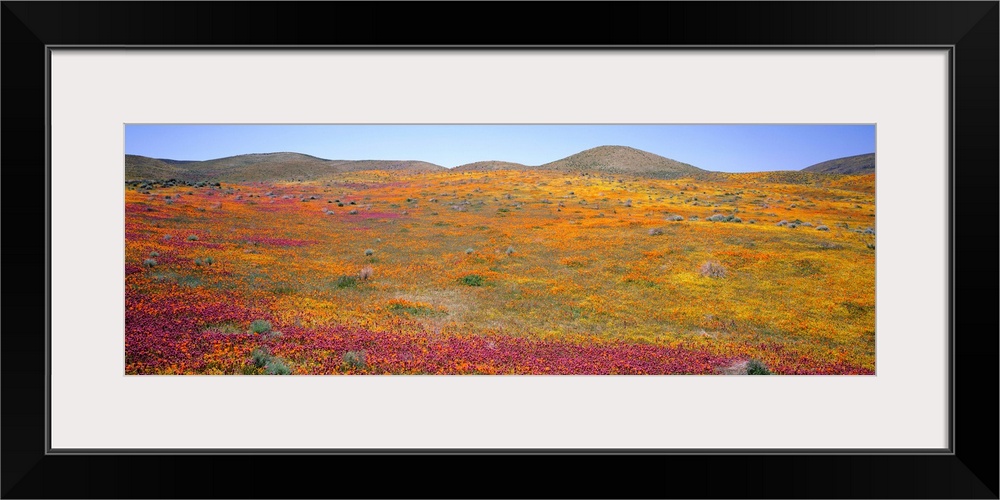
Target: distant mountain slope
624,160
141,167
613,160
258,167
850,165
489,166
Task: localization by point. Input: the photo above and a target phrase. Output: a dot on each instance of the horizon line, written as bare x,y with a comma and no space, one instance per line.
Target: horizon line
483,161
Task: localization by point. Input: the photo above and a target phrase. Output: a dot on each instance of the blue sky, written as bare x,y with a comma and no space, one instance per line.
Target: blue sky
726,148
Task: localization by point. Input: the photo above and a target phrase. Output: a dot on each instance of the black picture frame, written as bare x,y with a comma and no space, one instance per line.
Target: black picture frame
969,29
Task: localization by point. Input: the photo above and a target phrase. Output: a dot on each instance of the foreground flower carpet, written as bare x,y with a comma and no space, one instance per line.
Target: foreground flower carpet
501,272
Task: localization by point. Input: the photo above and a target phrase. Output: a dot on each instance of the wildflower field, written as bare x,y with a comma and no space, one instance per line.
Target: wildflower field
502,272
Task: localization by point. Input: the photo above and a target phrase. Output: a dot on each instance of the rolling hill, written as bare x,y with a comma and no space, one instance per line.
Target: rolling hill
850,165
296,166
623,160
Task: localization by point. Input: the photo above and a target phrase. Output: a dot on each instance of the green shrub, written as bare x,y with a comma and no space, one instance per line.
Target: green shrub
755,367
415,310
149,263
469,251
346,281
192,237
154,254
260,326
209,260
355,359
277,367
472,280
369,252
260,357
197,261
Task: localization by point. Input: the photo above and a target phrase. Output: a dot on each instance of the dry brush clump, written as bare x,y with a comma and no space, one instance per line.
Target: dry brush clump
712,269
724,218
366,273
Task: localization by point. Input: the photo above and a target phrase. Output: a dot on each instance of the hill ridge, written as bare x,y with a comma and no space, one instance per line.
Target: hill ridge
287,165
847,165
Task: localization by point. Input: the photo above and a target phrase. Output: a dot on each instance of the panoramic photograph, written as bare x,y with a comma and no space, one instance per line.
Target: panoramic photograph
499,249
